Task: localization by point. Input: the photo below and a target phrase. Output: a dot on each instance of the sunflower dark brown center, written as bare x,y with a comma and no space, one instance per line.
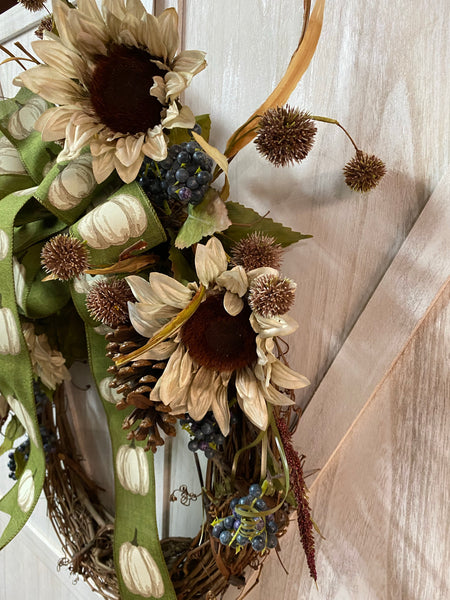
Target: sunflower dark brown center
120,90
218,341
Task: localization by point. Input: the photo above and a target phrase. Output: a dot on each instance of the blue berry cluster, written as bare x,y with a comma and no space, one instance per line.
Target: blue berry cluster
206,435
183,176
236,530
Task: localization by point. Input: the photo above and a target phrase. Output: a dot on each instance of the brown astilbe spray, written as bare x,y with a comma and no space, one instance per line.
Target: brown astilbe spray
299,489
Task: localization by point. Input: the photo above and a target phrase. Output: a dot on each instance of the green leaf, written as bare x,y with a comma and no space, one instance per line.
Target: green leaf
14,430
246,220
178,135
181,269
209,217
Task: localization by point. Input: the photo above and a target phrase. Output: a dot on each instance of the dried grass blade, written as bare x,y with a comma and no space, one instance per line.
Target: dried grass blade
297,67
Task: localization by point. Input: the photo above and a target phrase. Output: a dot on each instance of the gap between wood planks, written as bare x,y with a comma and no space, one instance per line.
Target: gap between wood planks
407,292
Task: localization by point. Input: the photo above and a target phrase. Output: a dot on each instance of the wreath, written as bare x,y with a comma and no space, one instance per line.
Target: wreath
119,245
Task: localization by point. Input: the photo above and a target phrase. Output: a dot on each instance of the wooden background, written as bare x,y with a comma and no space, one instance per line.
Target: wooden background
372,300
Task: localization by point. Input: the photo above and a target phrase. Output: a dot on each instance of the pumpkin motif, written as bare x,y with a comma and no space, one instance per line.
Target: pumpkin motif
25,493
73,184
19,281
22,414
21,123
114,222
4,244
108,393
9,335
10,162
140,572
132,469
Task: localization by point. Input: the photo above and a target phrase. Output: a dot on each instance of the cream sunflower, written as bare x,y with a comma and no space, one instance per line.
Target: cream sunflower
116,79
223,345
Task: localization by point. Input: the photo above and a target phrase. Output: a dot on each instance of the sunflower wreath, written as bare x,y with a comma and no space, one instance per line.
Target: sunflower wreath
119,246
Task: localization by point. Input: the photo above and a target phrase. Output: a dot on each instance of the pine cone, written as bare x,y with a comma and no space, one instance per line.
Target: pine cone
135,381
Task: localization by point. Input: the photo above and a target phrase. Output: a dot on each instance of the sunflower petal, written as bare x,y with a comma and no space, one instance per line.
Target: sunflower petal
202,393
103,165
232,303
52,124
129,149
160,352
174,85
178,118
234,280
141,325
190,62
150,36
251,398
67,62
285,377
221,408
274,396
51,85
168,290
168,26
169,379
210,261
155,145
272,326
158,89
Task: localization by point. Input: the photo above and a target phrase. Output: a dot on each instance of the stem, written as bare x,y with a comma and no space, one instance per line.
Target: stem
334,122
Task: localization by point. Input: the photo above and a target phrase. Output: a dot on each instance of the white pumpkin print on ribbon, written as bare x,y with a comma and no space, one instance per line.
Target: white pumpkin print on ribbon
4,244
108,393
22,414
114,222
26,491
10,163
19,273
73,184
21,123
9,335
132,469
140,572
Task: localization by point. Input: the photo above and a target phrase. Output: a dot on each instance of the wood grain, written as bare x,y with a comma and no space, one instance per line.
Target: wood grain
392,315
382,70
382,503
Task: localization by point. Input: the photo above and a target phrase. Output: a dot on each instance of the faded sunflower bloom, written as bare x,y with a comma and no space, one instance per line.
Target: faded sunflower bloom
116,79
223,346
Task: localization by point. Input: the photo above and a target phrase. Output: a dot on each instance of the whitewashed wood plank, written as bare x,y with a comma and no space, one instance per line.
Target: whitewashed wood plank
396,309
372,72
382,501
17,20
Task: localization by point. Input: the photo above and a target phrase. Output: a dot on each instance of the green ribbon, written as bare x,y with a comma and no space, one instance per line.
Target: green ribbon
135,518
16,380
59,194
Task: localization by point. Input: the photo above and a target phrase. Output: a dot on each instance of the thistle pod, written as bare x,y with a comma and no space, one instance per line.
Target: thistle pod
114,222
26,491
140,572
9,335
132,469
